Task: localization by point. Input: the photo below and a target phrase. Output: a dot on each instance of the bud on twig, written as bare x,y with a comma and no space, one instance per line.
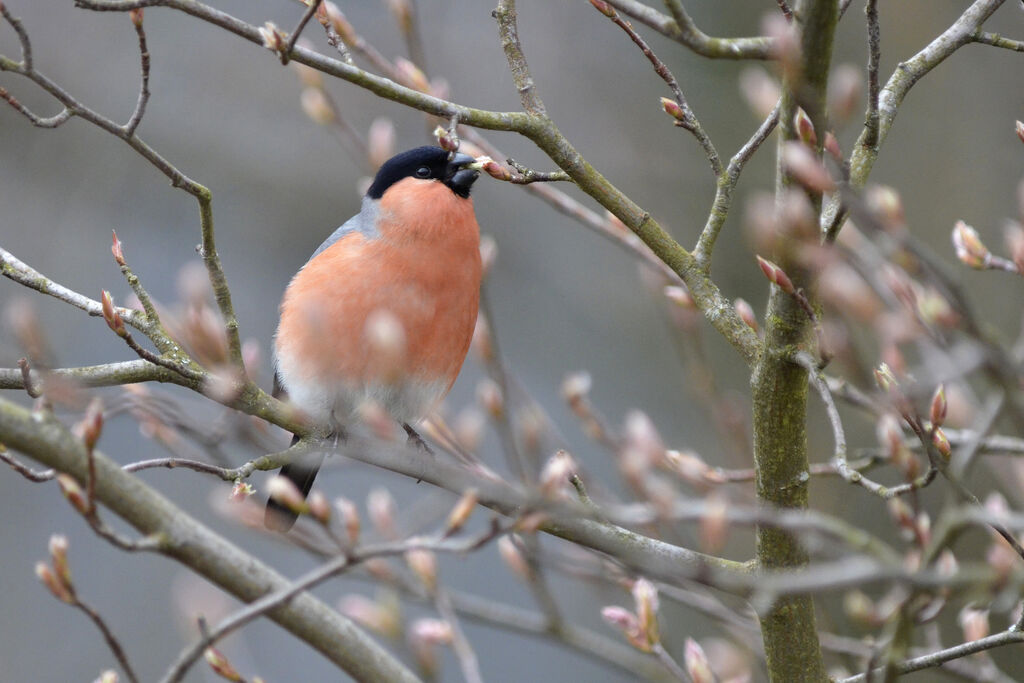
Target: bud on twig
115,247
221,666
283,491
273,38
1019,127
626,621
319,508
136,16
410,75
108,676
446,140
316,106
969,247
974,623
942,444
885,379
488,395
494,169
939,407
673,109
746,313
680,296
349,517
645,596
111,316
1014,237
804,165
74,493
697,663
603,7
423,564
460,514
514,559
776,275
53,584
556,473
380,141
59,557
380,506
805,128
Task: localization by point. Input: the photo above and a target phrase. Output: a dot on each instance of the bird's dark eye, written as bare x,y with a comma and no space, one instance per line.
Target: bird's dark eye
422,172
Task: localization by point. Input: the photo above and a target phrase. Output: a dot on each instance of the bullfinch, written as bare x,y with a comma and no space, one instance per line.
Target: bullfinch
384,309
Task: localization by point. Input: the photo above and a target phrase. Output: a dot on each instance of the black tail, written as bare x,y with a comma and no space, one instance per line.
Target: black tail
302,472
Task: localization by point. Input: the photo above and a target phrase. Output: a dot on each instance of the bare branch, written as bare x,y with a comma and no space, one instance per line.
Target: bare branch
871,123
688,119
508,30
140,105
682,30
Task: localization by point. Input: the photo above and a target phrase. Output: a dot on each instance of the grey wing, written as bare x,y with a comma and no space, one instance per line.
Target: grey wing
364,222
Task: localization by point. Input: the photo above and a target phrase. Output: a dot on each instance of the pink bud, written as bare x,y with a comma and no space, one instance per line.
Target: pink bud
284,491
111,316
805,128
115,247
603,7
673,109
1014,237
74,493
435,631
490,398
697,663
627,622
240,491
1019,127
319,509
645,596
576,388
460,514
806,168
832,147
380,506
974,623
844,92
760,90
108,676
380,141
446,140
776,275
714,523
469,428
349,517
746,313
316,106
423,564
942,445
556,473
514,559
136,17
680,296
410,75
938,407
221,666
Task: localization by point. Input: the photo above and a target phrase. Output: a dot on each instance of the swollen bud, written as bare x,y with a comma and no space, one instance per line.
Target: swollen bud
73,492
514,559
410,75
494,169
316,106
115,247
603,7
697,663
460,514
59,558
423,564
136,16
221,666
673,109
969,247
283,491
319,509
1019,127
556,473
941,442
805,128
446,139
776,275
273,39
52,583
349,517
111,316
746,313
939,406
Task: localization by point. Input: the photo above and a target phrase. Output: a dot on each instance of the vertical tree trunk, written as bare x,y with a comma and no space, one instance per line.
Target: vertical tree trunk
779,386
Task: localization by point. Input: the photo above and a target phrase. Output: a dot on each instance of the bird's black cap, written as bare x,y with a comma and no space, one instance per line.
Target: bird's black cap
428,163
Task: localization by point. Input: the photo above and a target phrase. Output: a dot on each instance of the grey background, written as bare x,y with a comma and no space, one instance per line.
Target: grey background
227,114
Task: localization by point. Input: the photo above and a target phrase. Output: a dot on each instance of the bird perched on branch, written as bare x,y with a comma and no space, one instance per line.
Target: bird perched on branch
384,310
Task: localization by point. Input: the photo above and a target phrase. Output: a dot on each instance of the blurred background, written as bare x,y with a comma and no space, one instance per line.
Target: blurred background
564,299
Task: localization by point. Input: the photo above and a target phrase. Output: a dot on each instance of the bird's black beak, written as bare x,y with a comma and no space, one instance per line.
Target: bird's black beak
461,172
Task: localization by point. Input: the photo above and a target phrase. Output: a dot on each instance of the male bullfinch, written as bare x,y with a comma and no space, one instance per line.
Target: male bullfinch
405,268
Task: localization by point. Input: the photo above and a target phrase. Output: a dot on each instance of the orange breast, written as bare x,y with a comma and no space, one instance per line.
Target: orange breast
423,268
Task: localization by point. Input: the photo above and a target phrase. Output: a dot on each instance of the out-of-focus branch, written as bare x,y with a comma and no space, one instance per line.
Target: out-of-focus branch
186,540
934,659
682,30
314,577
106,375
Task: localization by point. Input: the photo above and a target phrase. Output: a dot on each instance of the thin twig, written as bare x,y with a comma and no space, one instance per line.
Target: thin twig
689,120
285,594
286,51
874,52
996,40
508,31
684,31
112,642
140,105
